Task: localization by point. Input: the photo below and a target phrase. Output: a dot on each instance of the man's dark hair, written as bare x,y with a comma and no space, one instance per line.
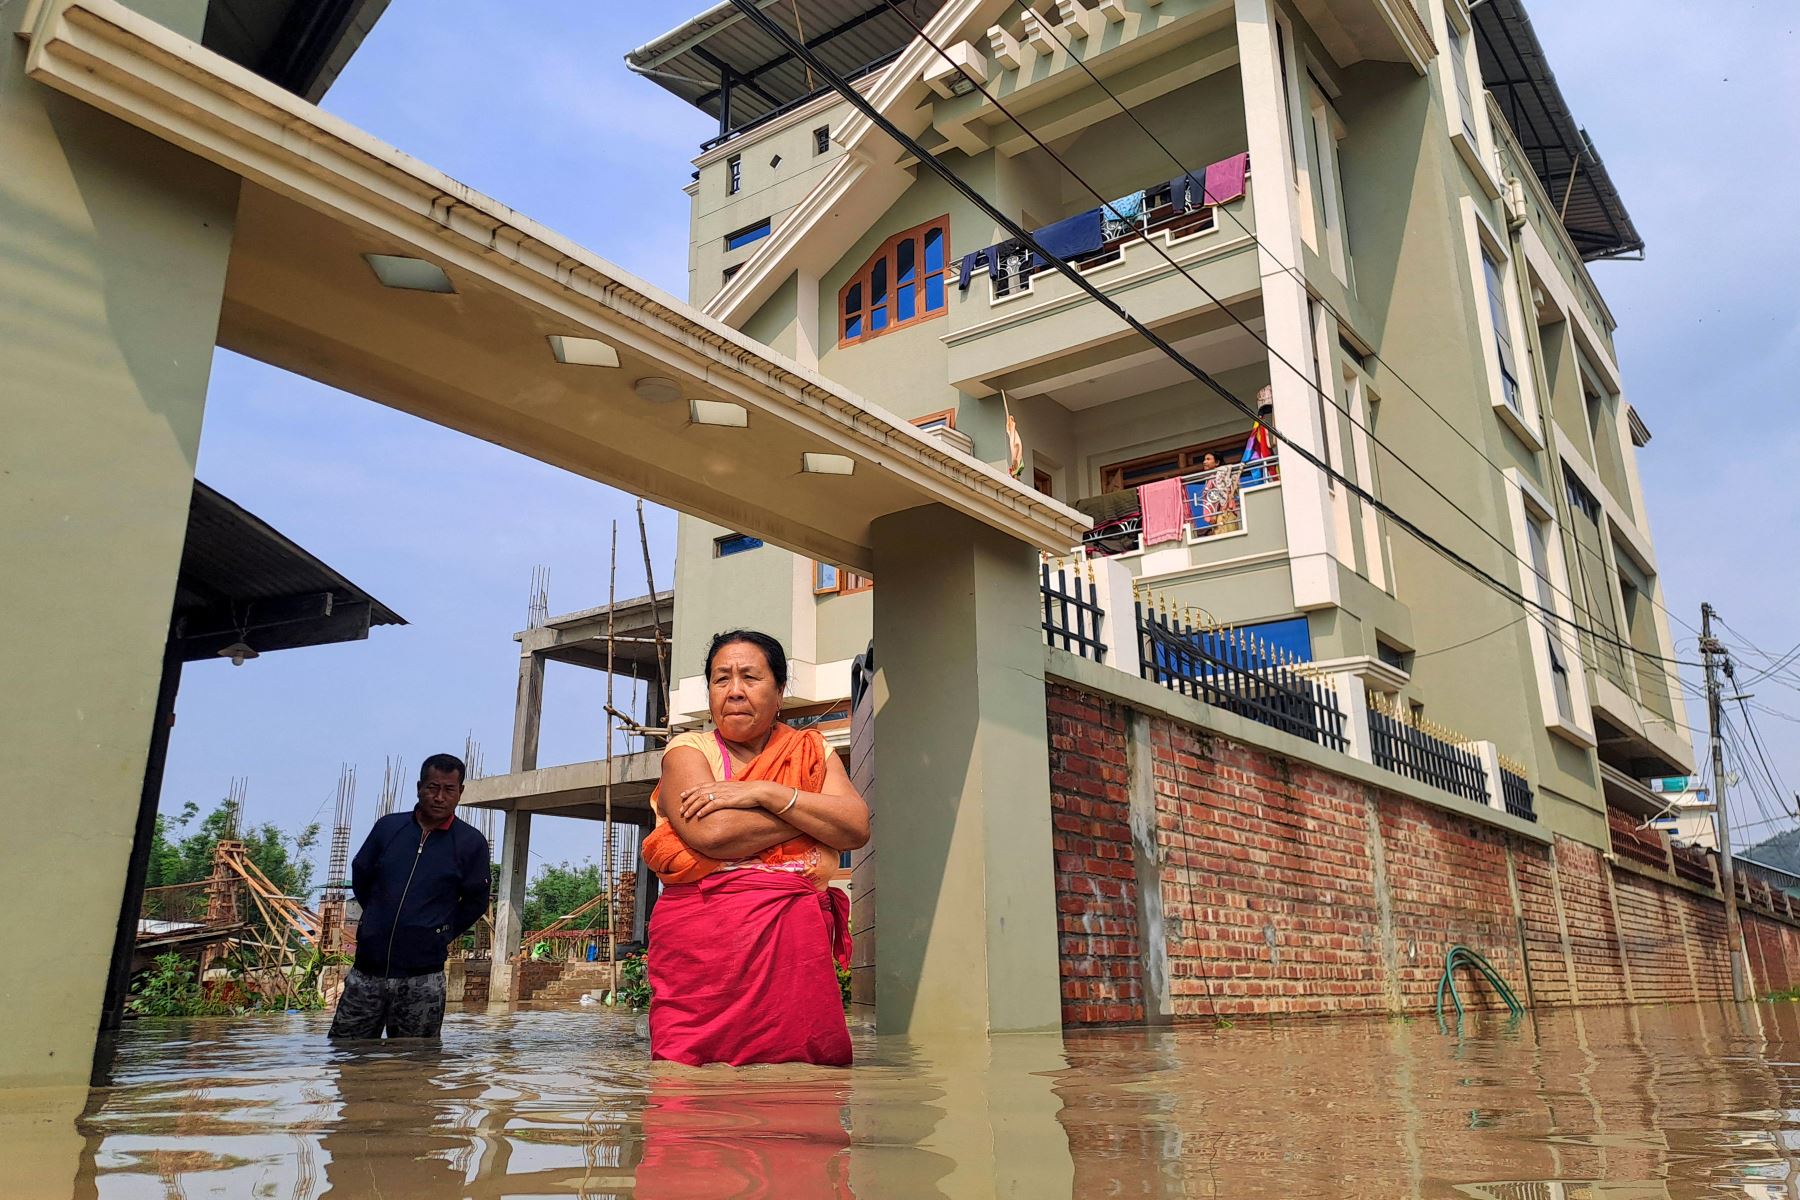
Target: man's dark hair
772,651
443,764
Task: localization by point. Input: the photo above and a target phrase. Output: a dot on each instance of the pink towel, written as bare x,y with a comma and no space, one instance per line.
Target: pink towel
1164,508
1225,179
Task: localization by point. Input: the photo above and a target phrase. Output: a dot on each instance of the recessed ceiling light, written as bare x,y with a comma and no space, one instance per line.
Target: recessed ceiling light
718,412
827,464
410,274
583,351
657,390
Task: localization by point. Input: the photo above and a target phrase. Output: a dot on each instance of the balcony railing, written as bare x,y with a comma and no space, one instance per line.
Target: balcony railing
1019,266
1233,669
1215,508
1240,673
1516,791
1173,208
1425,752
1073,618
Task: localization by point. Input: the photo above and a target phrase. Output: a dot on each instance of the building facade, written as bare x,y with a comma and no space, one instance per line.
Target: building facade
1391,251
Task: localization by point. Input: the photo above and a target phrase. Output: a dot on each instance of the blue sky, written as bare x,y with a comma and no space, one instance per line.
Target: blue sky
1696,121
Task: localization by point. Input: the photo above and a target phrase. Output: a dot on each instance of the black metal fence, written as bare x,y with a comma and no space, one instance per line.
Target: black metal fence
1073,618
1516,791
1238,672
1405,749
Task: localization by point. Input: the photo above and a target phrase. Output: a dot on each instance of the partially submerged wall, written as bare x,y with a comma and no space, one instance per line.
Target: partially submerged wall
1282,886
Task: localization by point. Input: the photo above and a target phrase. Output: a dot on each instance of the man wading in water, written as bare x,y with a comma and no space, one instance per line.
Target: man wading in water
422,880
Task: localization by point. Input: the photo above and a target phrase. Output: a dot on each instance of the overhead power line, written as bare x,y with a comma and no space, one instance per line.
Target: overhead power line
1300,278
924,156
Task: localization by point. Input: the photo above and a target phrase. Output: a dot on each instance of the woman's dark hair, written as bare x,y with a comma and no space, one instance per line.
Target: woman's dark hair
772,651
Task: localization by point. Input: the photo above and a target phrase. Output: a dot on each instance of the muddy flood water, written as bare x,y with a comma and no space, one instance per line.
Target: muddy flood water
1629,1102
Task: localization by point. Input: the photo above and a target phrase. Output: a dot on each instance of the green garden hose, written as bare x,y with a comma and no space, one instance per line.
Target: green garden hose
1461,956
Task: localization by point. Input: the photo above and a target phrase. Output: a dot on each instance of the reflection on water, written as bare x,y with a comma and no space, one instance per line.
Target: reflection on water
1613,1103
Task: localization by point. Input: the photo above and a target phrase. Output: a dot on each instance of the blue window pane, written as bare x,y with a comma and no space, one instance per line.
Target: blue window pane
878,283
853,299
905,260
844,860
934,293
735,543
903,303
1292,635
934,249
744,237
853,326
878,318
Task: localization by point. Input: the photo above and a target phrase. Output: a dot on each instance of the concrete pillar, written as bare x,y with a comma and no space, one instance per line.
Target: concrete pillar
515,842
642,898
509,903
1353,697
1307,498
1489,753
1147,860
1113,591
113,249
968,901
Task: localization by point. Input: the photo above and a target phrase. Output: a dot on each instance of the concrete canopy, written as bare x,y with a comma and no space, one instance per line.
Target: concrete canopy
318,195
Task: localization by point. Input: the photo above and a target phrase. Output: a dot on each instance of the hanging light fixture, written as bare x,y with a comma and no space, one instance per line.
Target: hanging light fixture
237,652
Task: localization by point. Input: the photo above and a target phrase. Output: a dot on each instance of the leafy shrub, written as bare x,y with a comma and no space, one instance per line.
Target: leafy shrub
634,984
169,989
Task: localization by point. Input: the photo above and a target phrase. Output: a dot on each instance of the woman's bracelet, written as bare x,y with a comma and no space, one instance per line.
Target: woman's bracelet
795,799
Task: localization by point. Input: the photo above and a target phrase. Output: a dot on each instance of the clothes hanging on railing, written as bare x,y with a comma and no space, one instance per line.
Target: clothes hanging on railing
1123,215
991,255
1070,237
1221,183
1164,505
1225,179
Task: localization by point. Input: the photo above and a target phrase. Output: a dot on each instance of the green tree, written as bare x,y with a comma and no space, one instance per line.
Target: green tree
177,856
560,890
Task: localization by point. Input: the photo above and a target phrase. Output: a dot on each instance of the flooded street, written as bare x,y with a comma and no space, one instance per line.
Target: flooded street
1646,1102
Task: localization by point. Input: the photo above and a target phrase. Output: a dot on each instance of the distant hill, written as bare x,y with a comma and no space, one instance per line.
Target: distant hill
1782,850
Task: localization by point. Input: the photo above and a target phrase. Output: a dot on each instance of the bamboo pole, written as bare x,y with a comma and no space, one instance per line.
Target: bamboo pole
612,604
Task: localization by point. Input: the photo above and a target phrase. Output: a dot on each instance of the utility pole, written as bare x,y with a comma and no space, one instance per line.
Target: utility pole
1710,649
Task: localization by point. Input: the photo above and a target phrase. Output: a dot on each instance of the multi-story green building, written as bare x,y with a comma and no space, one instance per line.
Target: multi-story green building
1403,269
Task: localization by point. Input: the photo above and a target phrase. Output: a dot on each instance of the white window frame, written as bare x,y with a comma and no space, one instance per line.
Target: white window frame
1362,404
1483,243
1287,82
1526,504
1328,130
1473,137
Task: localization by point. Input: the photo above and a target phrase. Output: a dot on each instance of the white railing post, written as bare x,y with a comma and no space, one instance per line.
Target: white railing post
1489,754
1353,698
1112,588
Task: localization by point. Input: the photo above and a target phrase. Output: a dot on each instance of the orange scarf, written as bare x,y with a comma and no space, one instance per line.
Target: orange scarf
792,759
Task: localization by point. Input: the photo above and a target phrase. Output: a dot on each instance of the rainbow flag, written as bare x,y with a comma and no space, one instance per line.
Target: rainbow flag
1260,446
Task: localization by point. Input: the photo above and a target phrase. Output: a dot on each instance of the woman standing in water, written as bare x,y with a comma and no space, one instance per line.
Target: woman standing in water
751,818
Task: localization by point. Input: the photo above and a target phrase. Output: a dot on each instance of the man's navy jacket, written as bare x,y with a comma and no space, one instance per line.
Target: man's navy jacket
420,889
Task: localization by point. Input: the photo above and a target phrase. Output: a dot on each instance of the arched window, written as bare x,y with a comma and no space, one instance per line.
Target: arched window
901,284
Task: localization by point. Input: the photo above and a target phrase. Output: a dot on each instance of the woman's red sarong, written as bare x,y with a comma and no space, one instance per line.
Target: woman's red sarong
742,970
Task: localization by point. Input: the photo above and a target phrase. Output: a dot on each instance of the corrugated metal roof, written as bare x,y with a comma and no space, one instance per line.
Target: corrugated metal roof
694,60
1515,70
236,569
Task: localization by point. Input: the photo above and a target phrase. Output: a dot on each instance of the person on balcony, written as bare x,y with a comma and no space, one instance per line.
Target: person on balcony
1219,497
747,936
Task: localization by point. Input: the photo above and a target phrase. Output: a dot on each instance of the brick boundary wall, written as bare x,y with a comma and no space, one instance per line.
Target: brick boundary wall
1286,888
